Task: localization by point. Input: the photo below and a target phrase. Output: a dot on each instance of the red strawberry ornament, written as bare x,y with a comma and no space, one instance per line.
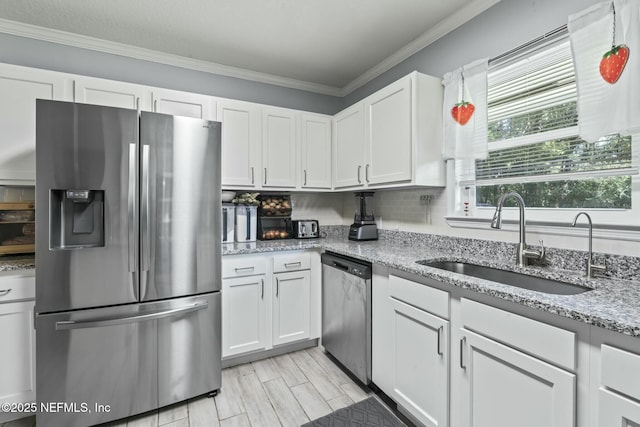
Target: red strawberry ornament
613,62
462,112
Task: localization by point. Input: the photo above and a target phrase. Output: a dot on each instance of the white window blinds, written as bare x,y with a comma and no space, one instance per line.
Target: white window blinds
532,116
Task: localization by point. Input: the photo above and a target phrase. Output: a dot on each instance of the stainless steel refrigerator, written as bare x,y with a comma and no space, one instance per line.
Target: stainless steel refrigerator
128,219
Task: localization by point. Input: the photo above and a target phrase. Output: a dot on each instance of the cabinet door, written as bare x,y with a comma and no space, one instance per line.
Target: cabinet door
278,148
618,410
17,376
112,94
241,143
183,104
20,87
504,387
243,315
420,347
388,134
348,147
291,306
315,147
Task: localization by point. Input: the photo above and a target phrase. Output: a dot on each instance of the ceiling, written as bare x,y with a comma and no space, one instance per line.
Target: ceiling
327,46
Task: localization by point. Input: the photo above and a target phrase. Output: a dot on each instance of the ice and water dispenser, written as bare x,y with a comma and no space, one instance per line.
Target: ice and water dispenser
77,219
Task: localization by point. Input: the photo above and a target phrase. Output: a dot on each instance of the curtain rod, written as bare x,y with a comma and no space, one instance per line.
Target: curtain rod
550,34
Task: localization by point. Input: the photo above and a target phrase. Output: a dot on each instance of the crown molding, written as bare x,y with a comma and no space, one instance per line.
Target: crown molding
92,43
425,39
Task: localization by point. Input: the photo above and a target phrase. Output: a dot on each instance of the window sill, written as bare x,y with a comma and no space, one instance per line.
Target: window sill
600,231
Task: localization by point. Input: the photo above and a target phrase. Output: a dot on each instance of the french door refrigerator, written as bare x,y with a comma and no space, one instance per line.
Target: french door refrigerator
128,219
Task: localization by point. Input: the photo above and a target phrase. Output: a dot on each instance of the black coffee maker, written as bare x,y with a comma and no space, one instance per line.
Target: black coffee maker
364,223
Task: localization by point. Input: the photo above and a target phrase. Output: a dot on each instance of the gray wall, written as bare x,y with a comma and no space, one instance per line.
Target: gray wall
39,54
503,27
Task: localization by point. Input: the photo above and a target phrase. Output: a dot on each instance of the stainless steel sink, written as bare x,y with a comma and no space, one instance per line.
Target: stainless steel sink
511,278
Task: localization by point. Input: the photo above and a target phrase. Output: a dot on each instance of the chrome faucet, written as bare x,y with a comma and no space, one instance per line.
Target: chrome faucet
523,253
591,267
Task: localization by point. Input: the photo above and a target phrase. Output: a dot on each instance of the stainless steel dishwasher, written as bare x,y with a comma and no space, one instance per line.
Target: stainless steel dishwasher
346,312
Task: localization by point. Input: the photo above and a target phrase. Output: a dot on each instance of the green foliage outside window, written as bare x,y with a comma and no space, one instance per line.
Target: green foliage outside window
558,156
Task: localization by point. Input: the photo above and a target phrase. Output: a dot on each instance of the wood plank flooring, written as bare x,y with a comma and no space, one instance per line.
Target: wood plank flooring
286,390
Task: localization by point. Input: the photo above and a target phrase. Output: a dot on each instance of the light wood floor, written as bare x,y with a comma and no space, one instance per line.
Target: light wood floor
287,390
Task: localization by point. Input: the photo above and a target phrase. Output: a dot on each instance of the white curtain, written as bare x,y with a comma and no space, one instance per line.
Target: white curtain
466,143
605,108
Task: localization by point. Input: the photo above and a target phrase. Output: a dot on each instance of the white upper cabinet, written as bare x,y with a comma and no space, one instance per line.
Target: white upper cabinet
348,147
315,151
112,93
279,148
392,138
20,87
186,104
388,133
241,143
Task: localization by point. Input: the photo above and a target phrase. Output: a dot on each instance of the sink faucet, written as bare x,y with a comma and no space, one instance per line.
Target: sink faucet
591,267
523,253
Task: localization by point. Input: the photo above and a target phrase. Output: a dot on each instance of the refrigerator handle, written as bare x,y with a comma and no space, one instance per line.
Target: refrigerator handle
145,244
131,208
71,324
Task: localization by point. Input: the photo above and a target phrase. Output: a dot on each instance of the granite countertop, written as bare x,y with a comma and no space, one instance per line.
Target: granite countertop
613,304
17,262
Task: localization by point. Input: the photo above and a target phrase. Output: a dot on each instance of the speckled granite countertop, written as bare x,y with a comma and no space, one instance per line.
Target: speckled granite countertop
613,304
17,262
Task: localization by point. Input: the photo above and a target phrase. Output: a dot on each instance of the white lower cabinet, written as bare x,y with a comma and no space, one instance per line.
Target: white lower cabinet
410,342
17,358
618,410
243,315
291,306
513,370
505,387
615,384
421,363
269,300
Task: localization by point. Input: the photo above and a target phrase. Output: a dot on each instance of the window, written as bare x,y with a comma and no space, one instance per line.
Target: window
534,147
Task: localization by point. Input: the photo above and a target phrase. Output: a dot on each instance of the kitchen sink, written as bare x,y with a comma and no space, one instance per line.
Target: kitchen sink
510,278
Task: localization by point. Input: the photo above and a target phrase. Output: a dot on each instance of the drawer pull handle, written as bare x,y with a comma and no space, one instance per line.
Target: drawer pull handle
440,330
240,269
4,292
293,264
463,341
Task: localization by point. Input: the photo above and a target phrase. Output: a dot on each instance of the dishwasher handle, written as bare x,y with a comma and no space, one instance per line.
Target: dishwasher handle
336,264
347,265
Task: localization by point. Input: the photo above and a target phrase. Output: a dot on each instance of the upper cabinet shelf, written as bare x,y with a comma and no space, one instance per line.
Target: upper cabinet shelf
17,228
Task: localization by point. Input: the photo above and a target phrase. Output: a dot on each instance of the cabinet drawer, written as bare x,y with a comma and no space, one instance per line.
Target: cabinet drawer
617,367
243,266
17,285
530,336
291,262
429,299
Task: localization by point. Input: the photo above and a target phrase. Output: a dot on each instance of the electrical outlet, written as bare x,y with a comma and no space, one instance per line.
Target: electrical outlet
425,199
